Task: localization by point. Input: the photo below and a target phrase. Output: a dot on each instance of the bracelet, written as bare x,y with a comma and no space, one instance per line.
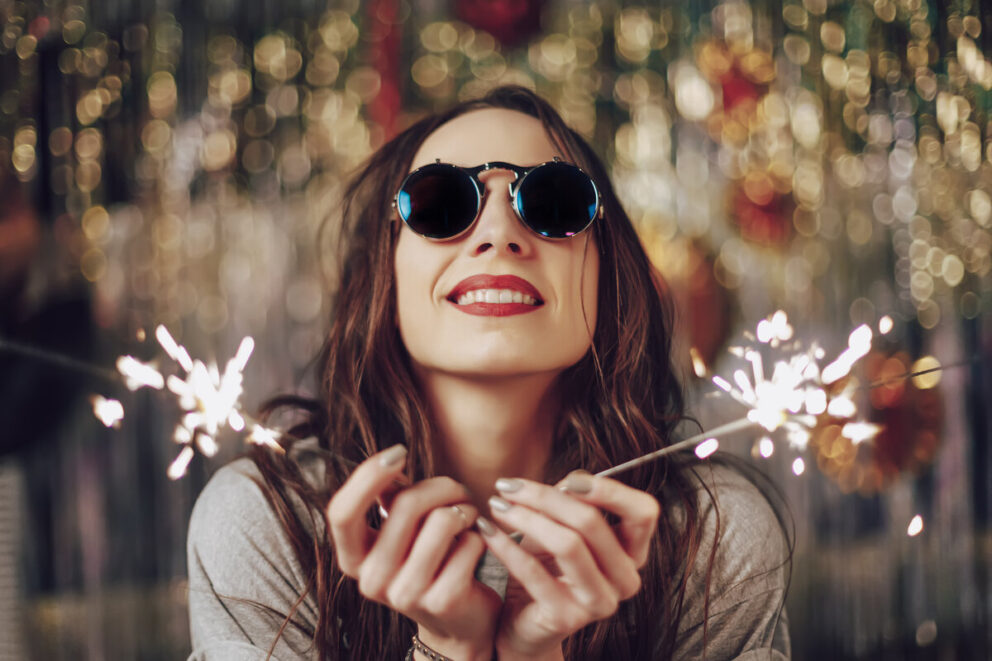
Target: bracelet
418,645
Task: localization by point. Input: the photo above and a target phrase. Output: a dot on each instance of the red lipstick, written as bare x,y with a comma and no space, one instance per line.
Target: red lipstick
485,281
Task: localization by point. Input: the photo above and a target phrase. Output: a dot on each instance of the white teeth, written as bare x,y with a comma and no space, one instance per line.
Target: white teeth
495,296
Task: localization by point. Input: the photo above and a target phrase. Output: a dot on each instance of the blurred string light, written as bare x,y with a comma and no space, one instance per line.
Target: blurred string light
915,526
845,137
834,129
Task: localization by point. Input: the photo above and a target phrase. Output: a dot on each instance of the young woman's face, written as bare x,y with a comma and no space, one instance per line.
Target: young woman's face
446,331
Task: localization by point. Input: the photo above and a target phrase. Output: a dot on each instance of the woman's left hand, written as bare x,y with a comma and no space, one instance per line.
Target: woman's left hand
588,566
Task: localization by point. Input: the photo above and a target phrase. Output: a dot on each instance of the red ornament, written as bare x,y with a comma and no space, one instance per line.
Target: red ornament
511,22
385,36
763,214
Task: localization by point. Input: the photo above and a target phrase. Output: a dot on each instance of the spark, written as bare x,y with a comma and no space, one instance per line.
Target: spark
859,432
698,366
176,352
774,329
885,325
263,436
707,447
790,399
179,465
210,398
858,346
138,374
915,526
794,394
108,411
722,383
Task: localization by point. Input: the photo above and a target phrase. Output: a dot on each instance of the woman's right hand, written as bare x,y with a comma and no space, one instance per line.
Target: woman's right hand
421,562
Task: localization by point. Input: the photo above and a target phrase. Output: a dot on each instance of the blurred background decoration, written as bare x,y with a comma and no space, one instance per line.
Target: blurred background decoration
171,162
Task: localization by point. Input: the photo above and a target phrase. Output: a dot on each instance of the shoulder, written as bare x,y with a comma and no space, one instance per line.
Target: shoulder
233,517
739,518
736,586
234,502
245,579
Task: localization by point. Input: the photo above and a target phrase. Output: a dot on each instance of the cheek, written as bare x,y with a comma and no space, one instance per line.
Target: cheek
405,267
589,287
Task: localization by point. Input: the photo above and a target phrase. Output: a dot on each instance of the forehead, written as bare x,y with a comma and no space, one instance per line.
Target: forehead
490,134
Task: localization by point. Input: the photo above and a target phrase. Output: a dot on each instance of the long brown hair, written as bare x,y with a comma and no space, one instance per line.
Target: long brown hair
619,401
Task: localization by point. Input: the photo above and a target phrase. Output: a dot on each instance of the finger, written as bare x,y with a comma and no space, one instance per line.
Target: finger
638,511
613,559
441,528
587,584
395,538
456,575
346,512
529,572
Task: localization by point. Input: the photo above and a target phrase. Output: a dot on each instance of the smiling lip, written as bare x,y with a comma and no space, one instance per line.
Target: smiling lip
484,281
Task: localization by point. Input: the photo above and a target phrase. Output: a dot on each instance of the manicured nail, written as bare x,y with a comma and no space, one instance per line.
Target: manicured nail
393,456
508,484
498,504
578,482
485,527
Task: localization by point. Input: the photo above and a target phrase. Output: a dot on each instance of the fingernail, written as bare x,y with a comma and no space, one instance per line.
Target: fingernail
508,484
485,527
578,482
498,504
393,456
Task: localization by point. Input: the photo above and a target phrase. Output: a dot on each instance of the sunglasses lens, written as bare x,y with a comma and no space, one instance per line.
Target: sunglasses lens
438,201
557,200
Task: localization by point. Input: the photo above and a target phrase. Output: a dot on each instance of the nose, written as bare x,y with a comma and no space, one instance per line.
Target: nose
498,227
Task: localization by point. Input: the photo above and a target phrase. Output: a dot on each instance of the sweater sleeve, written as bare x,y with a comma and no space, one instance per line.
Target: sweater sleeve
244,578
744,618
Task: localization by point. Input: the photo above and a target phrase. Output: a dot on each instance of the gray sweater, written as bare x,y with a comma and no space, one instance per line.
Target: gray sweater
244,577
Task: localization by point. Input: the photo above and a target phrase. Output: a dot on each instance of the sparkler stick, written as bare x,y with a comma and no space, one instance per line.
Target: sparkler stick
722,430
211,400
45,356
910,375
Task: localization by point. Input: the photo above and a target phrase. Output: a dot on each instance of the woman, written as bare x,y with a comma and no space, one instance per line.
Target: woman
497,337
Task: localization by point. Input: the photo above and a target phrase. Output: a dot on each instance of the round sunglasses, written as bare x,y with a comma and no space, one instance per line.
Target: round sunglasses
441,201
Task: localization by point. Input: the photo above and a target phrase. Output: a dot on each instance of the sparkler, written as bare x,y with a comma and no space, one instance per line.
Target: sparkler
791,398
210,398
796,393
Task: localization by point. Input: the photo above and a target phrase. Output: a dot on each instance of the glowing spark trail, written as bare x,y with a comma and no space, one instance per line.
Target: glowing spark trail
209,398
108,411
790,398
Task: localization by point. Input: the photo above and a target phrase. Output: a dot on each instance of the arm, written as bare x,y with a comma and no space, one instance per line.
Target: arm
243,576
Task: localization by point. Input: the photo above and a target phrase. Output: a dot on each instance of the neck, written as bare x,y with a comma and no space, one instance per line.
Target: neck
492,427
